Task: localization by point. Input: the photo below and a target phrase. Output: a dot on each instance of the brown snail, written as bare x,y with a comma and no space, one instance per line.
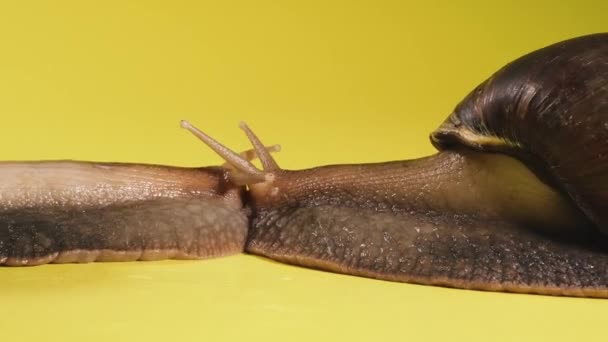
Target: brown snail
516,199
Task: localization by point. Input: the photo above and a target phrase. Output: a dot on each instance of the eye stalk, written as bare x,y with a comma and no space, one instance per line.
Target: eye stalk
243,171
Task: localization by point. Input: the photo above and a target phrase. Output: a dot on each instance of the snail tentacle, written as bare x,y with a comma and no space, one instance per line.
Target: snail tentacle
252,154
268,163
246,172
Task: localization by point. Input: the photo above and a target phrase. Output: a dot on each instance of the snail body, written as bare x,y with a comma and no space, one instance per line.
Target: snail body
513,201
64,211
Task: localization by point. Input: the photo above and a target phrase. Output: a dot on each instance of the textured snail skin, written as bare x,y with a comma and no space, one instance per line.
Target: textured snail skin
60,212
460,218
514,201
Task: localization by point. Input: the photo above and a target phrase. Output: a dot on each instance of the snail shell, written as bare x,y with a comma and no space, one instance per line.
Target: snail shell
549,109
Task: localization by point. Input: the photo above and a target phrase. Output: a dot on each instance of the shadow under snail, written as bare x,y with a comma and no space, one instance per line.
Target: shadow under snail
516,199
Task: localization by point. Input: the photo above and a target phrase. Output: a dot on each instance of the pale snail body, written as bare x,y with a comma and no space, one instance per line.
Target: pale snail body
63,211
514,201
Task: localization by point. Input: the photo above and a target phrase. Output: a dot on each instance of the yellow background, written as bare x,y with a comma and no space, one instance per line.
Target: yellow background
332,81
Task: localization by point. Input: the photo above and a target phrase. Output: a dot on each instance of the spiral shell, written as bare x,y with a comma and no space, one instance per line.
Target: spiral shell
550,109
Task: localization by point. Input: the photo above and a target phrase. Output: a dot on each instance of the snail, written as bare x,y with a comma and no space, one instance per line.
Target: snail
515,200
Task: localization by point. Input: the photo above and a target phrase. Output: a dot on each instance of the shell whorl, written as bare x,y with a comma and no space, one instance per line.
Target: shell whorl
550,109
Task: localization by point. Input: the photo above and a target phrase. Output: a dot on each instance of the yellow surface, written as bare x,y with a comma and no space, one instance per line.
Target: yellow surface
332,81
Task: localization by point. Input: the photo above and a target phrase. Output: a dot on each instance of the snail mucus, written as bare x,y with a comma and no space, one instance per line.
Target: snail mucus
515,200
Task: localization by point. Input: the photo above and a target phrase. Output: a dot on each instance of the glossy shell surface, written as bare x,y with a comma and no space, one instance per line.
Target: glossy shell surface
550,109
